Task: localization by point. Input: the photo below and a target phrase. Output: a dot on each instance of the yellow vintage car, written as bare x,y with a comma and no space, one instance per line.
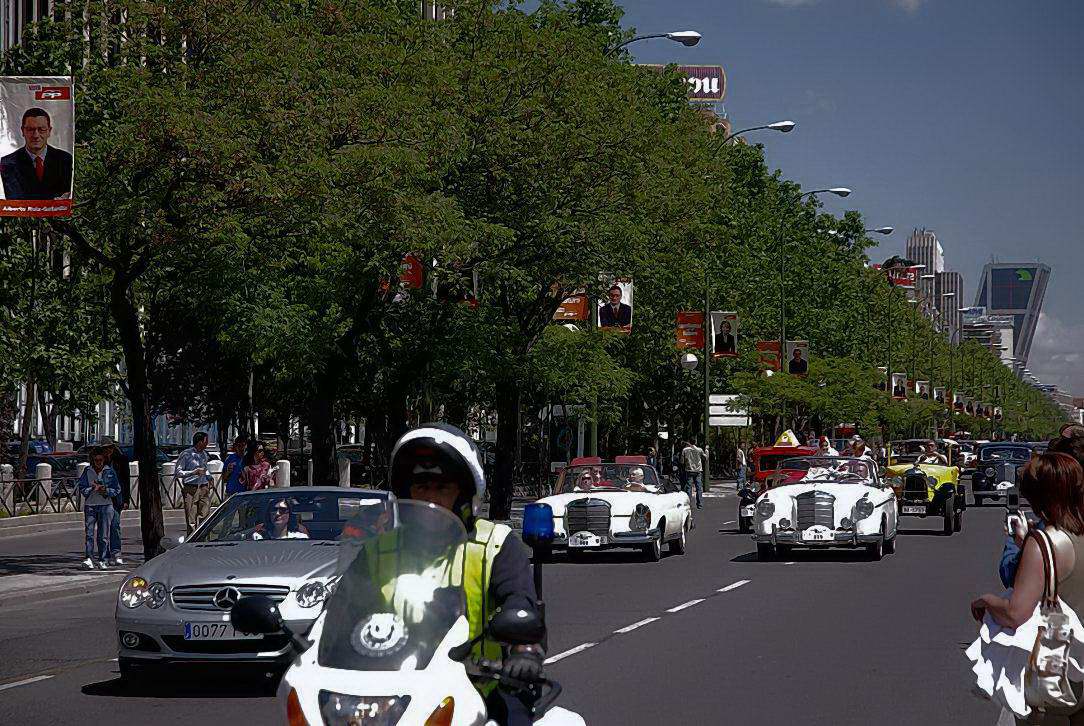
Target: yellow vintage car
929,490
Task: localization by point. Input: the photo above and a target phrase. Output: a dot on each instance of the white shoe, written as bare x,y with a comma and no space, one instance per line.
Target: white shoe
118,561
103,565
88,564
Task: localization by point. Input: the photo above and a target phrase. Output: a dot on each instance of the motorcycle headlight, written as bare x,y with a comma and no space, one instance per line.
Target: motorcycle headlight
641,517
989,471
134,592
340,708
312,594
765,508
863,509
156,595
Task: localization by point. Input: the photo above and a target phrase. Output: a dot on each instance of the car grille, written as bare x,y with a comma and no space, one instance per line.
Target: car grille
201,597
266,644
815,508
915,486
588,515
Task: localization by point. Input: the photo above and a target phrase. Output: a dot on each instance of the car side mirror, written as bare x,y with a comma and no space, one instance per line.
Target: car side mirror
517,627
256,615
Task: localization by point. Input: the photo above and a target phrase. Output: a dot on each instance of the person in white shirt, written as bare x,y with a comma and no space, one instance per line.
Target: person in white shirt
930,455
280,524
195,482
742,461
859,450
692,461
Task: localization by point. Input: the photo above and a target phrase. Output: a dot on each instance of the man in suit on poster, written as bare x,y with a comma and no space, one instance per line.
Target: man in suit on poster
615,314
724,339
37,170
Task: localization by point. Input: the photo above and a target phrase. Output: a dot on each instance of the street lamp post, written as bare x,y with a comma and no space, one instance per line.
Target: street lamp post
951,357
688,38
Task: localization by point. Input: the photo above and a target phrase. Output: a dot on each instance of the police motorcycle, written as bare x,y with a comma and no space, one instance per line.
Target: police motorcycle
391,647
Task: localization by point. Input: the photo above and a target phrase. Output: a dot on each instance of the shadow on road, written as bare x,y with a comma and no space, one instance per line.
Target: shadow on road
810,555
923,533
212,685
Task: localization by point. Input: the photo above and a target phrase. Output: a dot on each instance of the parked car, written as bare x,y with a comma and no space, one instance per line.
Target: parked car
175,608
602,505
997,469
837,502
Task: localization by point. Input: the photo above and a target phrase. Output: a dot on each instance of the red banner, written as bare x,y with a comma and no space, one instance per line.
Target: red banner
690,329
768,354
411,272
574,307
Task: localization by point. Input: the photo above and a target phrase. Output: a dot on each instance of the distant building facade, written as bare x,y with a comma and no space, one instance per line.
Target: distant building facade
1015,290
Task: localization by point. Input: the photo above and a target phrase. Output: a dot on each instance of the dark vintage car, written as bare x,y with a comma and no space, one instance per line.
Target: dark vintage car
997,468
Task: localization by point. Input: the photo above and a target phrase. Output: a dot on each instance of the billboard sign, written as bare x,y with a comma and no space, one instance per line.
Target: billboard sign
690,329
972,316
37,145
705,83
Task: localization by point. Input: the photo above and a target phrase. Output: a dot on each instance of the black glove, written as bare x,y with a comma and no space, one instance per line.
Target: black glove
523,665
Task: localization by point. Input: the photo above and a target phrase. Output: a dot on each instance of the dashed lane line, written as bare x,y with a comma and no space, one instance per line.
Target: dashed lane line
24,682
634,626
733,586
682,606
570,652
730,522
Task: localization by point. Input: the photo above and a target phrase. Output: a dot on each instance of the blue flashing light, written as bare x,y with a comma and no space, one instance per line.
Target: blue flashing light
537,523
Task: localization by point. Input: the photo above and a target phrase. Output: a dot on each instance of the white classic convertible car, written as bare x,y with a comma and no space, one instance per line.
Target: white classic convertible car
830,501
599,505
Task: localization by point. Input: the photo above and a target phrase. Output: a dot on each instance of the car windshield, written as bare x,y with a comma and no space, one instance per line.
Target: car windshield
609,478
908,447
836,468
1005,453
278,514
770,462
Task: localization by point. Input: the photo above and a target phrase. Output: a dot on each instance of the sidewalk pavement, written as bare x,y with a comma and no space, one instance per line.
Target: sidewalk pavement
53,522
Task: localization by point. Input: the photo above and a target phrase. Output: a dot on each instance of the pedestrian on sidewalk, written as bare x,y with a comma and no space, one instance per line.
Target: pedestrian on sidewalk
119,463
195,482
234,465
693,459
741,462
257,473
98,485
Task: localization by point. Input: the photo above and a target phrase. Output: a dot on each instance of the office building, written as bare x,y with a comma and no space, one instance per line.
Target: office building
923,248
1015,290
948,299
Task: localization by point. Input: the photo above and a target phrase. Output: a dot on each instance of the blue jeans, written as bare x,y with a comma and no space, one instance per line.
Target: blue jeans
98,519
114,534
741,476
695,479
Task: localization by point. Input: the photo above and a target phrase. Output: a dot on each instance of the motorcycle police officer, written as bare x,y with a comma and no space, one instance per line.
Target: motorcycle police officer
440,464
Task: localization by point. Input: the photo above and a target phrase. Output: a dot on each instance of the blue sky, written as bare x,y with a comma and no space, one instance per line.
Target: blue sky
962,117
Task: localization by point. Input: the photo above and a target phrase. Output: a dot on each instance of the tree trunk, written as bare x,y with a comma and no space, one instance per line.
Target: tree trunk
322,431
47,406
135,367
501,489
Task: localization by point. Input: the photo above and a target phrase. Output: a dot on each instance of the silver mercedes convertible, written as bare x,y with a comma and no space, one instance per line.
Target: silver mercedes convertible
282,543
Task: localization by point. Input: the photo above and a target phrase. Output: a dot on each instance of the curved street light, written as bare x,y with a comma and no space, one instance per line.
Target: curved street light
783,127
687,38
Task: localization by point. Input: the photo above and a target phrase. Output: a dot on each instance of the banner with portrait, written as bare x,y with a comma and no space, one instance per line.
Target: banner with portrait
724,335
37,145
690,329
922,390
797,357
997,413
615,306
768,354
939,394
882,378
958,401
899,386
969,405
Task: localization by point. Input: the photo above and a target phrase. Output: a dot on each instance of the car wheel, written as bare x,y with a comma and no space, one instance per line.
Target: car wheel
678,546
890,543
877,549
765,552
958,521
653,551
950,516
979,501
745,524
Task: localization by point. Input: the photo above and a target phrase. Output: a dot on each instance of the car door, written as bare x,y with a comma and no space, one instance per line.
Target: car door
677,507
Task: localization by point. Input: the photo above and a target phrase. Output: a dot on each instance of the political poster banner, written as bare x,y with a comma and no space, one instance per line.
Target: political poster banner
690,329
899,386
997,413
768,354
411,272
922,390
969,405
939,394
615,308
573,307
37,145
724,335
797,355
958,401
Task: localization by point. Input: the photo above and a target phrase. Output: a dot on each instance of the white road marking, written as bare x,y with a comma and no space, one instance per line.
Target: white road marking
731,521
733,586
788,563
684,605
571,651
25,682
634,626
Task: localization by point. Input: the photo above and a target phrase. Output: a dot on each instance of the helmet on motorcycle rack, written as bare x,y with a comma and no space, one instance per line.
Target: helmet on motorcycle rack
440,451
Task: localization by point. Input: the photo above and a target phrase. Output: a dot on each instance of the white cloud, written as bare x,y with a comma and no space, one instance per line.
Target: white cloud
1056,353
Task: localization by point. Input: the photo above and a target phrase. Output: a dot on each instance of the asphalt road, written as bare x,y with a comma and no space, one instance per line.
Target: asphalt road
712,637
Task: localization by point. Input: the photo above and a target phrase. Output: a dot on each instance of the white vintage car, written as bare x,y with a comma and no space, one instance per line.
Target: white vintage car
826,501
602,505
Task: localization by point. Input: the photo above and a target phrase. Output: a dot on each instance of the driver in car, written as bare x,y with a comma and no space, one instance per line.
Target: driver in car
280,523
440,464
637,484
930,455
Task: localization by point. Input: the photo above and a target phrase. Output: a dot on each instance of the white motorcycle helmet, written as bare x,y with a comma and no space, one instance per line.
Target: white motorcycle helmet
439,449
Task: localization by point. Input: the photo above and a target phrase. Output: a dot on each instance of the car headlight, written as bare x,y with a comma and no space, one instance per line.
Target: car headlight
134,592
765,508
989,471
312,594
784,523
863,508
157,594
641,517
1002,486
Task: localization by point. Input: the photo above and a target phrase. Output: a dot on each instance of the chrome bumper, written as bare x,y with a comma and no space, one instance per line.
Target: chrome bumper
163,642
614,539
840,538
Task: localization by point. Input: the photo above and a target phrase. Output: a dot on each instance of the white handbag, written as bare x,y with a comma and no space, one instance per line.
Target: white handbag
1046,677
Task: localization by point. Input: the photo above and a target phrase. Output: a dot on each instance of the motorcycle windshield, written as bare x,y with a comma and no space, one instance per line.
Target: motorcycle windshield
400,591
